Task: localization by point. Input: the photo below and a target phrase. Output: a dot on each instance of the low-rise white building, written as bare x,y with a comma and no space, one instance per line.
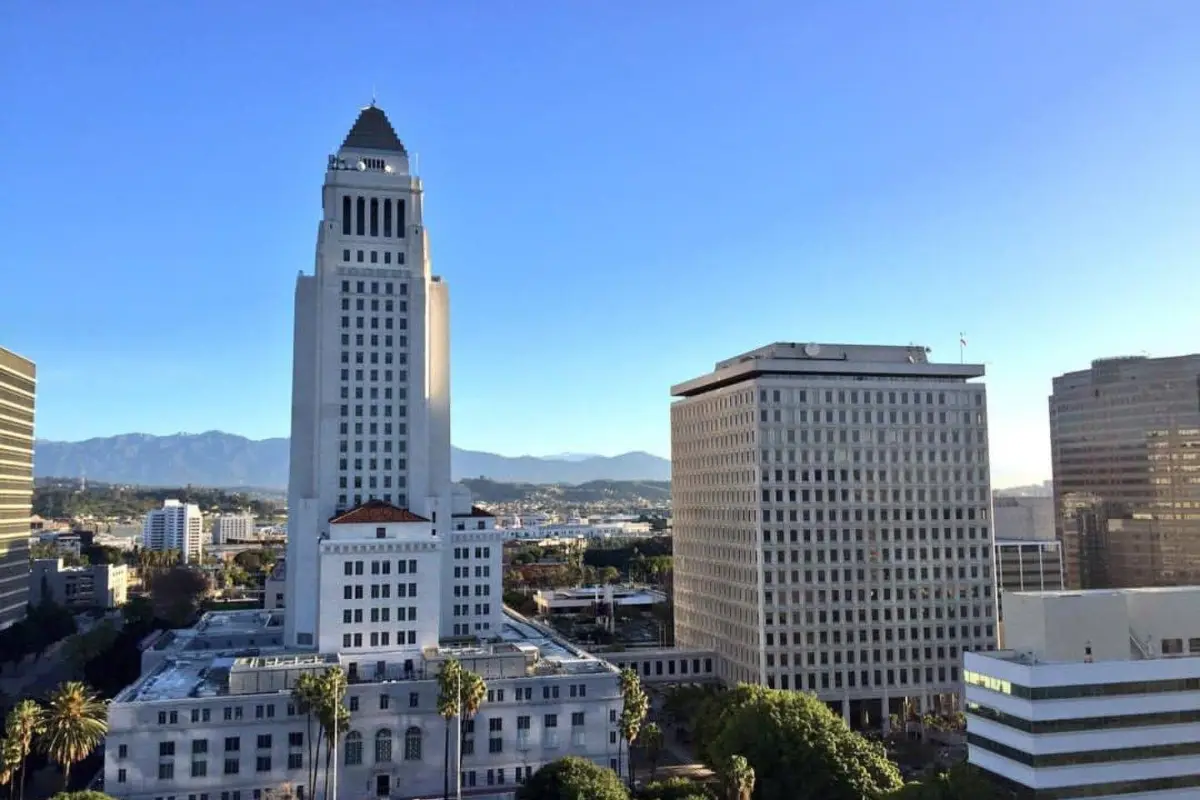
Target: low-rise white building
1097,695
219,724
93,586
580,529
581,599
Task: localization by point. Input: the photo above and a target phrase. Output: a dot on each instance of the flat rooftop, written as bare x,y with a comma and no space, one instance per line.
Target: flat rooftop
190,672
1139,590
813,360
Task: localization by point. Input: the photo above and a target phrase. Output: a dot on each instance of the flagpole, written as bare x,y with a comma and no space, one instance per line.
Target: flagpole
962,343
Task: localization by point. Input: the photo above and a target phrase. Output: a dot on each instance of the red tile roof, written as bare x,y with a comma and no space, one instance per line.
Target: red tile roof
476,511
376,511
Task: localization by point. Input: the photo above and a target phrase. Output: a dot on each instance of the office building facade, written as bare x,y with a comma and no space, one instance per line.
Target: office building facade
18,385
830,506
1096,695
1125,449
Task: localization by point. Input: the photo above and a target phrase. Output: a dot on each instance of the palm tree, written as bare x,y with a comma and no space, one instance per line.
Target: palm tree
24,722
10,764
449,703
332,713
75,722
633,713
652,741
474,690
739,778
304,696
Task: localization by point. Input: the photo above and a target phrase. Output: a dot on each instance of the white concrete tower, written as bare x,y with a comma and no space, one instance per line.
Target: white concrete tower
371,372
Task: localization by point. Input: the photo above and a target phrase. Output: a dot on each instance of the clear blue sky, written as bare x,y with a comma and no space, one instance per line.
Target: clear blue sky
619,193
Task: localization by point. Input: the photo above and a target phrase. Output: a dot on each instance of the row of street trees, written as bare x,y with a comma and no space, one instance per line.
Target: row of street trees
320,697
66,729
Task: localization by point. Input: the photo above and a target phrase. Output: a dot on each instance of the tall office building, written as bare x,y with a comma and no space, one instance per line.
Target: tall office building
830,510
1125,449
18,380
175,526
391,571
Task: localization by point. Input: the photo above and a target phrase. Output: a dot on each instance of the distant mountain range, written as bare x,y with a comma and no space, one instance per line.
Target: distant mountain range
226,460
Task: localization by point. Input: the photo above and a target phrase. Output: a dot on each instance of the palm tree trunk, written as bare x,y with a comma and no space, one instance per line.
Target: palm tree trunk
19,776
315,764
66,776
328,756
446,766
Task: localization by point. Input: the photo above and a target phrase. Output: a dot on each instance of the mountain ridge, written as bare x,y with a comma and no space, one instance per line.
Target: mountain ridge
216,458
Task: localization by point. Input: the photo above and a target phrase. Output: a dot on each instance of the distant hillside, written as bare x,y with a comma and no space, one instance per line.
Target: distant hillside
623,492
223,459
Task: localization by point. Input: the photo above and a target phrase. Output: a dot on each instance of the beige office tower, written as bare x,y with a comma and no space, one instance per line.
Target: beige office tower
18,380
831,522
1125,449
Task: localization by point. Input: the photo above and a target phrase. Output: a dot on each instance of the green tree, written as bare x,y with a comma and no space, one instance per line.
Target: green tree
634,707
83,647
652,742
305,698
449,705
783,735
87,794
610,575
573,778
332,713
677,788
21,725
74,723
177,594
738,777
10,764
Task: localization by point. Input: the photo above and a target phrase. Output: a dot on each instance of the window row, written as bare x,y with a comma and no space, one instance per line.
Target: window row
379,639
373,287
363,216
383,567
379,591
377,615
373,257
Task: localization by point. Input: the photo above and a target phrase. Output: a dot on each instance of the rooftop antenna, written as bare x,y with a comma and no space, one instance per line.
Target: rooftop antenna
416,163
372,95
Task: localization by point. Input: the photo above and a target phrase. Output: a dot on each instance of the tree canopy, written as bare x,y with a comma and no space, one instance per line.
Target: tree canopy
573,778
178,593
797,747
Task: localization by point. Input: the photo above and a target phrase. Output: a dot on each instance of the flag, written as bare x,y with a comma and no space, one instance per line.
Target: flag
962,340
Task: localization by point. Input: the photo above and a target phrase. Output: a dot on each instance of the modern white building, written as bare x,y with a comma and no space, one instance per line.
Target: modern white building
390,568
831,522
233,528
175,526
1097,695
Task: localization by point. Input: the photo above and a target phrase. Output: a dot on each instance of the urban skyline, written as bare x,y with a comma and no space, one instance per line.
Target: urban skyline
982,209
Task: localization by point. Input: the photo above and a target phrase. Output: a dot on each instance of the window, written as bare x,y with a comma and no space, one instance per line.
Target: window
262,764
383,746
199,747
232,766
296,739
264,741
412,744
166,772
354,749
166,749
122,776
232,744
295,761
199,769
414,699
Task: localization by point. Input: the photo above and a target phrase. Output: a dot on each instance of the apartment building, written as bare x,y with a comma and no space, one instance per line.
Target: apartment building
175,526
233,528
390,569
831,522
1097,695
18,384
1125,450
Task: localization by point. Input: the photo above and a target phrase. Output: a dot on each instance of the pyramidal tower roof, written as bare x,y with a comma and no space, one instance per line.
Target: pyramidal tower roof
372,131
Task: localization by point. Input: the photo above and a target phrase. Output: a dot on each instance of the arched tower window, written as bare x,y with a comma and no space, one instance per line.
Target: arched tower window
374,216
346,215
412,744
360,223
383,746
387,219
353,748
